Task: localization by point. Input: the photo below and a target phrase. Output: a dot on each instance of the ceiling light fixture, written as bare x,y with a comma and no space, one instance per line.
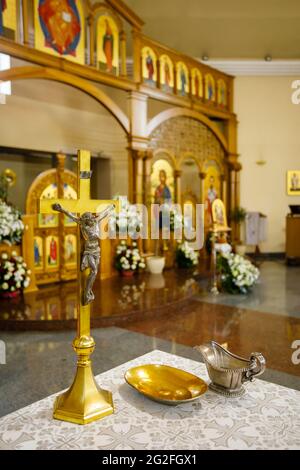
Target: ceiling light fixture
268,58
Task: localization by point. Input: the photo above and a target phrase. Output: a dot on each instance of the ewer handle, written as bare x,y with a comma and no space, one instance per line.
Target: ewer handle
260,366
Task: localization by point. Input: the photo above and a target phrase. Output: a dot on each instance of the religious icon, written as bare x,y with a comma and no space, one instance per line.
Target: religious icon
38,252
60,23
3,7
70,249
182,79
90,230
52,251
197,84
149,66
210,88
293,183
8,18
219,217
162,182
166,73
108,45
211,191
69,193
48,220
222,92
162,192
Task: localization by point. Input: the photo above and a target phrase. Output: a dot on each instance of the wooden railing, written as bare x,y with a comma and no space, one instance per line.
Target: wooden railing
156,68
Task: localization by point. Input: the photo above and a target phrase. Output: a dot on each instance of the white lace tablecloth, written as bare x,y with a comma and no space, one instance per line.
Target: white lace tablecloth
266,417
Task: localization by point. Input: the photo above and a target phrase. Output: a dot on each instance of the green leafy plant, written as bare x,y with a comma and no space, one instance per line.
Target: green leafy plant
238,215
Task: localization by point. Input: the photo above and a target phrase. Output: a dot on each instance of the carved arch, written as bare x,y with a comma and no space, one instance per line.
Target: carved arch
21,73
188,155
176,112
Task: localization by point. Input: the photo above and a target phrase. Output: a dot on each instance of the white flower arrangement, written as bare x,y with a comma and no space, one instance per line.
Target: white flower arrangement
186,257
128,258
238,274
11,225
129,220
14,275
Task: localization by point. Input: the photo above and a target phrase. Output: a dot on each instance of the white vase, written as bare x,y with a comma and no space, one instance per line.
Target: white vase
155,264
241,249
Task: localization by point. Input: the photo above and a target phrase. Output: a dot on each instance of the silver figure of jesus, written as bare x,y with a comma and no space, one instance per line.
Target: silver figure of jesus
90,230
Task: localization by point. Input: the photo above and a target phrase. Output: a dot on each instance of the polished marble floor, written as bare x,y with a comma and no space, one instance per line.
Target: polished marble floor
174,316
278,291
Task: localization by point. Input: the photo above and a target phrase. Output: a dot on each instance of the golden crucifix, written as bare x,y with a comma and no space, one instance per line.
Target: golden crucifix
84,401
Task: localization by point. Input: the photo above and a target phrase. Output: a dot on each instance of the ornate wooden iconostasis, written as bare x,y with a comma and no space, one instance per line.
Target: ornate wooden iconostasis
54,243
189,164
187,152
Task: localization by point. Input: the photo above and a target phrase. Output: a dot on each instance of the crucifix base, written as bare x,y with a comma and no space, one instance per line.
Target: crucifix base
85,401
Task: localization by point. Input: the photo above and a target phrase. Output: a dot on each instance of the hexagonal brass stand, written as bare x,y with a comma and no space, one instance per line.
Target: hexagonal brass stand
84,401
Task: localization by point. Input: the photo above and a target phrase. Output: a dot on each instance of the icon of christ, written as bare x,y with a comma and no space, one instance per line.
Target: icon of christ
60,22
3,6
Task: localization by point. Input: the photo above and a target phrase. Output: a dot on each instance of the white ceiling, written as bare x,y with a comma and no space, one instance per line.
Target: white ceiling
224,29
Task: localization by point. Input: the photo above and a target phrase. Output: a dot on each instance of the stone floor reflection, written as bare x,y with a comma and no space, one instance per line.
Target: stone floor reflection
116,300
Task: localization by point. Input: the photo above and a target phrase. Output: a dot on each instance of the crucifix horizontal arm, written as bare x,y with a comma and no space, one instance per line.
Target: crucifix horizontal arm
59,208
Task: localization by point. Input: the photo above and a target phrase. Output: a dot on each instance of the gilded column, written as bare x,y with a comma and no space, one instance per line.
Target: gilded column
92,39
177,181
202,177
175,80
223,184
147,177
25,19
158,73
123,53
138,193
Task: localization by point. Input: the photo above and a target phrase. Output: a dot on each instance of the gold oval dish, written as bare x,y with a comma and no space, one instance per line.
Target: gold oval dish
165,384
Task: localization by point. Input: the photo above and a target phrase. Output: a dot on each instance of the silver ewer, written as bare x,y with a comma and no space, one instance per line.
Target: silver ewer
229,372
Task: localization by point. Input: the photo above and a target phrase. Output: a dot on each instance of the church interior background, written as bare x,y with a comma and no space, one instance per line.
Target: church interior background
166,120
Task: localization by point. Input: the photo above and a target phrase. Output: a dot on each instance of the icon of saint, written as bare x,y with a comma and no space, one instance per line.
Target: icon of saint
150,66
167,74
182,80
162,192
37,255
61,25
108,46
210,90
210,197
3,6
53,252
295,182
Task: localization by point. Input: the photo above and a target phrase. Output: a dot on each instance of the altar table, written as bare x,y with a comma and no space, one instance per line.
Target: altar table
266,417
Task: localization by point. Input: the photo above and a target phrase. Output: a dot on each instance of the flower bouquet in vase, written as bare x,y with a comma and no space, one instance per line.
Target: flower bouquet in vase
238,274
186,257
128,260
14,275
